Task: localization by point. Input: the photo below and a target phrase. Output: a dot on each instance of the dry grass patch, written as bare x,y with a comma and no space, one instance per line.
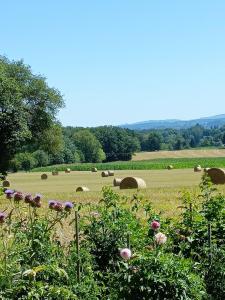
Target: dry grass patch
179,154
163,188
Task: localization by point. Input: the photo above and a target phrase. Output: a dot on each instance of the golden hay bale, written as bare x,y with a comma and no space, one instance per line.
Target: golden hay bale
117,181
82,189
111,173
67,170
170,167
54,173
216,175
44,176
6,183
132,183
197,168
105,174
94,169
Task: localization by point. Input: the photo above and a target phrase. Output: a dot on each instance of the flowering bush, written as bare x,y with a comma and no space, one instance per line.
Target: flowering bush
112,250
155,275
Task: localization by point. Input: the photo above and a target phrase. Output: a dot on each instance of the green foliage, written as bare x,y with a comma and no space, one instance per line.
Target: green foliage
23,161
90,147
177,139
188,263
27,108
41,158
109,232
215,276
154,164
151,142
51,139
159,276
117,143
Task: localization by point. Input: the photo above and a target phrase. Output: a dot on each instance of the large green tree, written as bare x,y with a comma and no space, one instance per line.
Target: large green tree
117,143
28,107
90,147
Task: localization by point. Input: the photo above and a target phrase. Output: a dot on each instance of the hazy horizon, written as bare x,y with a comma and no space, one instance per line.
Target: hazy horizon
123,62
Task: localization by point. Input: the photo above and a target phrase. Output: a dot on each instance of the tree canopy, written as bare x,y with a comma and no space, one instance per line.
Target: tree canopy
28,107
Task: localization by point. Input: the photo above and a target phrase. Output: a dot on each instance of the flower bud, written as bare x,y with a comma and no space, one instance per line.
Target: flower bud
125,253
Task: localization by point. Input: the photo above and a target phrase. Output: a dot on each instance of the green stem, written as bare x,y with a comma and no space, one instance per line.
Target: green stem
77,245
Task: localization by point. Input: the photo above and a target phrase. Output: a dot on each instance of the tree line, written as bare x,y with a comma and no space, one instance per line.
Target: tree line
31,136
178,139
109,143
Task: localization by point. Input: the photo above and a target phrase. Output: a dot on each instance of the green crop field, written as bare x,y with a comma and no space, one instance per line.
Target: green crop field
153,164
163,186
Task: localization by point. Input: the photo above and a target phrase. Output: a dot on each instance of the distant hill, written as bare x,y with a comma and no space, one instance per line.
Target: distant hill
206,122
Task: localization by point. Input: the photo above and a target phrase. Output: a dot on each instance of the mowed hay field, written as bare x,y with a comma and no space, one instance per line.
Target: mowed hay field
163,186
179,154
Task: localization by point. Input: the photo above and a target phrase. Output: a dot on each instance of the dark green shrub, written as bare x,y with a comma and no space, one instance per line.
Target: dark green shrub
215,275
159,276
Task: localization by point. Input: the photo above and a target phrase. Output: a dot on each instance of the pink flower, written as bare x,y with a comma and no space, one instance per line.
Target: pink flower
160,238
155,225
125,253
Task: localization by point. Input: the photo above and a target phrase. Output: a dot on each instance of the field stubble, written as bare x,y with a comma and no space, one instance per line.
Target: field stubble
164,187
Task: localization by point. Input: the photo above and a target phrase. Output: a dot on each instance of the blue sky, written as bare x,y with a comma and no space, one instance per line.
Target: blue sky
122,61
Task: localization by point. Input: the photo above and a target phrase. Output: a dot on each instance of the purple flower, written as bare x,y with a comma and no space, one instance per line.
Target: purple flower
58,206
9,194
68,205
37,197
28,198
51,204
35,204
155,225
18,196
2,217
37,200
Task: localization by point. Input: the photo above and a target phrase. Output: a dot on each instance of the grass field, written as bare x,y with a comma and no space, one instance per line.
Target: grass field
163,186
193,153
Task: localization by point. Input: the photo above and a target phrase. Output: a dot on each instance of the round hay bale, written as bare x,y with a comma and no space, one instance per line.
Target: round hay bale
54,173
105,174
216,175
82,189
197,168
94,169
111,173
117,181
67,170
170,167
44,176
6,183
132,183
